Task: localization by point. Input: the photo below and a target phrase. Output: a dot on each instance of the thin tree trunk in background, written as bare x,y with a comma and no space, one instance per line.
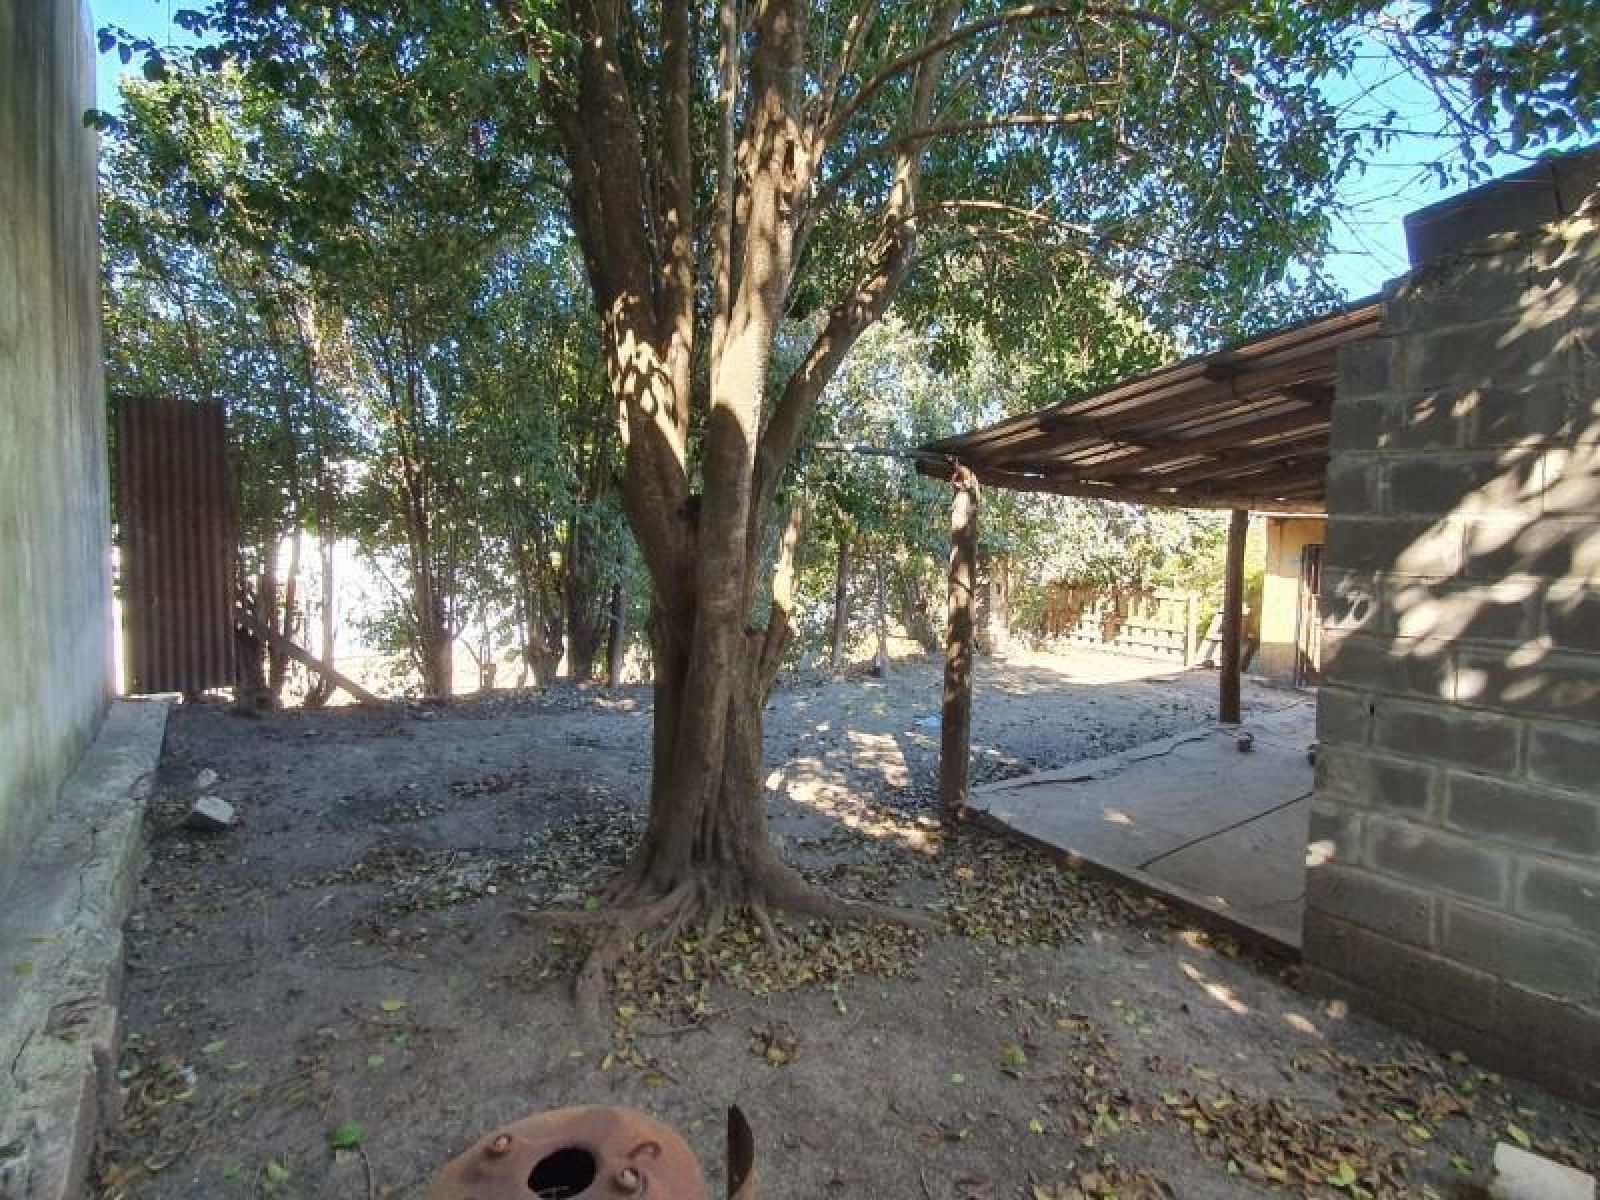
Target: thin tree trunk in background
330,623
540,625
487,667
321,687
282,616
999,615
266,608
841,600
616,637
914,614
880,665
438,657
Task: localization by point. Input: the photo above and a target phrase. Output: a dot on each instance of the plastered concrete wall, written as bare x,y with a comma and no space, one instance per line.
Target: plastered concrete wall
1287,537
1455,878
55,620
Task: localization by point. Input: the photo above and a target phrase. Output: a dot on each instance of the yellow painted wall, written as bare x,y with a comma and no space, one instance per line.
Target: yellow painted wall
1280,591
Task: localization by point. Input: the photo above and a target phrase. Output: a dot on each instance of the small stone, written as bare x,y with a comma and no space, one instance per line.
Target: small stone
211,813
205,780
1246,743
1522,1175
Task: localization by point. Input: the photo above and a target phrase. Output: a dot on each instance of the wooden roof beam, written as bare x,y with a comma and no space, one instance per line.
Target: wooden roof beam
1016,481
1194,400
1227,463
1292,478
1177,449
1300,353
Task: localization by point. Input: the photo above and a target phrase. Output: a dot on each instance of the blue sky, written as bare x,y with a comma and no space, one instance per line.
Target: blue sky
1369,241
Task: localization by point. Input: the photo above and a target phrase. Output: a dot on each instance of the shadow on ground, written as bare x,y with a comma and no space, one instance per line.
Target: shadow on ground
358,953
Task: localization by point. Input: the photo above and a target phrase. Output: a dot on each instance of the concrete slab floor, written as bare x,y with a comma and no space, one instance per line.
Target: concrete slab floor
1188,816
61,959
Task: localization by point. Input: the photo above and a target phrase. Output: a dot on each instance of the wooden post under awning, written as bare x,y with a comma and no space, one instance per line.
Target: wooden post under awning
955,740
1232,618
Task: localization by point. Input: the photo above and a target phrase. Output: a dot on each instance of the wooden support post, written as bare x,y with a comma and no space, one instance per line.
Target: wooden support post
1191,628
1233,617
955,742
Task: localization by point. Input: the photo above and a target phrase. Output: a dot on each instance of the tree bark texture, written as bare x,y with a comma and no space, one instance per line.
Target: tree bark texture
880,614
841,608
915,614
703,530
1232,618
616,636
955,729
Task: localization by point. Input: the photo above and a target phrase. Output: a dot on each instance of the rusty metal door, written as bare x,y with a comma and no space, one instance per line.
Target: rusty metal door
175,532
1308,618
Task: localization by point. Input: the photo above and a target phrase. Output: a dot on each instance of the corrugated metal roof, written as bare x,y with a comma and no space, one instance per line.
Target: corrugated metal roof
1241,427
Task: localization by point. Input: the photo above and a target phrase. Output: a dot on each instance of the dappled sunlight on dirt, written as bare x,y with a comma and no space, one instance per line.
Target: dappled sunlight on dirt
1221,993
365,950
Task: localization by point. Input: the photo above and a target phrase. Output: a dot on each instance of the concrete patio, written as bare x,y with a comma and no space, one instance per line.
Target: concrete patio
1190,817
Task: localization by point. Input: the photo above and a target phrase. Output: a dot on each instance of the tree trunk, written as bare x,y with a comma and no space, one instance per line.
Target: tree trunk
699,513
994,606
266,611
283,619
841,610
955,727
588,618
915,613
436,648
321,687
880,665
616,636
583,649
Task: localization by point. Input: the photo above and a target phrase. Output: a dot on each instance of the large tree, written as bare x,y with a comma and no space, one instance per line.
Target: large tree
736,168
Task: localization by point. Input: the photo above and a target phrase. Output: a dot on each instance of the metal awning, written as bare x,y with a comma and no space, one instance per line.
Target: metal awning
1244,427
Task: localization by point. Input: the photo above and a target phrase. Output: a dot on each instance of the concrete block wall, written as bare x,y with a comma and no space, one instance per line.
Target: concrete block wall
1454,870
55,590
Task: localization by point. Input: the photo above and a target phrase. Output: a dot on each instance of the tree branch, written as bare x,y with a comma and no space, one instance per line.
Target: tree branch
780,623
860,21
727,183
677,169
868,303
831,187
939,44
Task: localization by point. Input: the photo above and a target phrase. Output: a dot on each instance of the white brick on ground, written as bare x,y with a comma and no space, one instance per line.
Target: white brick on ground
211,813
1522,1175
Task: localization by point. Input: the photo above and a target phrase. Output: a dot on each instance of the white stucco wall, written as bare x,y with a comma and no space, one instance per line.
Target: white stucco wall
55,660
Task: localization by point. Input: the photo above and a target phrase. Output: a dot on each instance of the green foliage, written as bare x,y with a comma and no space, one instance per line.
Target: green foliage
898,390
401,339
352,222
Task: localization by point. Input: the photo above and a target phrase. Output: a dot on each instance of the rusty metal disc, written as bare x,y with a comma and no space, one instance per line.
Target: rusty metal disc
575,1152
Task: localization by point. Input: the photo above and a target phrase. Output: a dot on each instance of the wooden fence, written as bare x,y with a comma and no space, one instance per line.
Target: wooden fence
1158,623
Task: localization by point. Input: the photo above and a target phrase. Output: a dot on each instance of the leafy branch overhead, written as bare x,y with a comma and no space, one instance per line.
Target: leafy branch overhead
752,186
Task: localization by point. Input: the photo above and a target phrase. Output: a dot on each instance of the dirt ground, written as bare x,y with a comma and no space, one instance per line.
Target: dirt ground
355,966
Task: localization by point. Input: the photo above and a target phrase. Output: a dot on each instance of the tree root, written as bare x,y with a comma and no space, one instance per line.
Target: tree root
790,892
703,902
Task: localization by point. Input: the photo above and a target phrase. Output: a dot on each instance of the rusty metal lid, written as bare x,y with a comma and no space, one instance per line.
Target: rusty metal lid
575,1152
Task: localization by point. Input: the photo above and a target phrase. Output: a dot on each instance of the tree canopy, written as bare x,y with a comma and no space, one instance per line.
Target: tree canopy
754,184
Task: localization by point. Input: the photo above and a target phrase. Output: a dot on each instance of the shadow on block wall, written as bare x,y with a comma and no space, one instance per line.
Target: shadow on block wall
1455,885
